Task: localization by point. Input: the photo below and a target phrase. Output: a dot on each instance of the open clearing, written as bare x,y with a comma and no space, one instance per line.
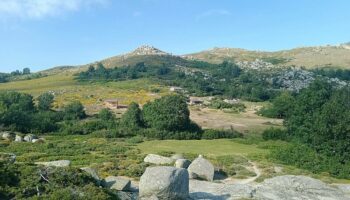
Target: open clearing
243,122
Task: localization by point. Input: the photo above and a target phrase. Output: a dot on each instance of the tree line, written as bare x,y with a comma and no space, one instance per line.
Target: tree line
317,124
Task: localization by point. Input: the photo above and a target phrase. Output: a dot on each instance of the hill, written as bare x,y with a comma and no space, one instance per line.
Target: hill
309,57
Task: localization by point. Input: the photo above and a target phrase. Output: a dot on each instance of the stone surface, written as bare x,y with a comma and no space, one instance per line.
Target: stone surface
18,138
8,136
164,183
202,169
219,191
291,187
127,195
182,163
117,183
93,173
157,159
30,137
57,163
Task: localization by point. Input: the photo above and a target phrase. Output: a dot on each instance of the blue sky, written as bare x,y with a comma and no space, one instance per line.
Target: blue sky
44,33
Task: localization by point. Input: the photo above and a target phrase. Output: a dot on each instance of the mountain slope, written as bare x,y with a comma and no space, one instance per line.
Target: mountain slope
310,57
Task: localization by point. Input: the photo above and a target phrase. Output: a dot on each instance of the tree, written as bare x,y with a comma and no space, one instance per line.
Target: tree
45,101
106,115
132,118
26,71
74,111
167,113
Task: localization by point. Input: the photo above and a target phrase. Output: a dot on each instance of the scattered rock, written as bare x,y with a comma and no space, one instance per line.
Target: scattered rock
30,137
182,163
164,183
57,163
117,183
291,187
8,136
201,168
18,138
93,173
177,156
157,159
40,140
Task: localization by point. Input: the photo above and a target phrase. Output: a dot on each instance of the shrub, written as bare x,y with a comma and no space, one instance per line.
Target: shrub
165,135
211,134
74,111
220,104
274,134
132,117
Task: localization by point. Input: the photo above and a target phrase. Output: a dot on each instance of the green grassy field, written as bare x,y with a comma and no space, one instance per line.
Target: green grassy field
205,147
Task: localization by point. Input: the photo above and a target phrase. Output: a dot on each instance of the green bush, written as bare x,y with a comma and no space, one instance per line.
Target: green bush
210,134
274,134
29,181
169,135
220,104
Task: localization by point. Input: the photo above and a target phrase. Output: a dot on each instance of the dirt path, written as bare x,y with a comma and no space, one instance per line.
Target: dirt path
247,180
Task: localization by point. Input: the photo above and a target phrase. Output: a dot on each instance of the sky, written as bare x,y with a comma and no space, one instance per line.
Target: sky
40,34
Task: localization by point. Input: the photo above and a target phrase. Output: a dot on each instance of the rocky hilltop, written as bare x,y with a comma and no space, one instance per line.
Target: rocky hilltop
147,50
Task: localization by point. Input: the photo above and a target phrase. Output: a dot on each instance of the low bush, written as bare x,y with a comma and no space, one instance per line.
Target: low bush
210,134
274,134
170,135
33,182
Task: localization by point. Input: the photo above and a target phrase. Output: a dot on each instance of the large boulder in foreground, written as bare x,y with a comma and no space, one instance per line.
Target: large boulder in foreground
164,183
57,163
202,169
291,187
117,183
157,159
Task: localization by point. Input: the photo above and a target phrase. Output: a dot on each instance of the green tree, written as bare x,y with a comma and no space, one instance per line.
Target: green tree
167,113
45,101
26,71
74,111
106,115
132,118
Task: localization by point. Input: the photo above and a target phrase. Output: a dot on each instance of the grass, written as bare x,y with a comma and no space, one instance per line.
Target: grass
205,147
91,94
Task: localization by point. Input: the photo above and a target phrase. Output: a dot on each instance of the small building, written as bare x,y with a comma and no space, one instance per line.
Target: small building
195,101
114,104
176,89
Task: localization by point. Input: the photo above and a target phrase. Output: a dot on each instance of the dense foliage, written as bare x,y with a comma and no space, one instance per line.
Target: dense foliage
19,113
199,78
25,181
317,120
342,74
